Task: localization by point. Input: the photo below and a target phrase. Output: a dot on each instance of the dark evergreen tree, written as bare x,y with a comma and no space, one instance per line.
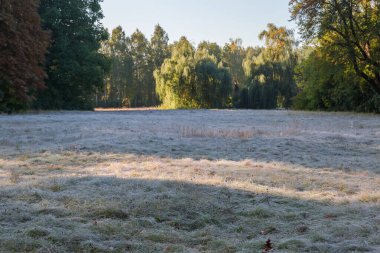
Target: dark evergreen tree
118,90
139,48
74,65
159,50
159,44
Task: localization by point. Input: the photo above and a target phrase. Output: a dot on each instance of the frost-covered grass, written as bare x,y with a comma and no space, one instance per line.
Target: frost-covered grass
189,181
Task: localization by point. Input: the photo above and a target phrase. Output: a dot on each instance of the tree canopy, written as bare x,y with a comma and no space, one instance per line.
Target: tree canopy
269,71
57,55
190,79
74,65
350,25
23,45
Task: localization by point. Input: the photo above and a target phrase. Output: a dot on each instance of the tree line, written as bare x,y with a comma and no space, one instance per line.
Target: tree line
57,55
179,75
49,54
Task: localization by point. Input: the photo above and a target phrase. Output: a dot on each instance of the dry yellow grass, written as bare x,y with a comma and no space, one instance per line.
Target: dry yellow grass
122,187
126,109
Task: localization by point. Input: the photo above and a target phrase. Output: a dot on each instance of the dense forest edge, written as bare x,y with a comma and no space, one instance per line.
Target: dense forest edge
56,55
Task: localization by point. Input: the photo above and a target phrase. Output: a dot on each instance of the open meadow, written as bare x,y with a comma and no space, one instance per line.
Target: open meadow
190,181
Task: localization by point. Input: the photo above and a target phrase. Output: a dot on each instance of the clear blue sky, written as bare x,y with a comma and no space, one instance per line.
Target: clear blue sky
211,20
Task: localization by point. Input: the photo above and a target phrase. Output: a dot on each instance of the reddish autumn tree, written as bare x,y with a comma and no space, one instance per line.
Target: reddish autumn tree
23,45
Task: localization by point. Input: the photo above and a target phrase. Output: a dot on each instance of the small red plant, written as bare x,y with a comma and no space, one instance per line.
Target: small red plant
268,246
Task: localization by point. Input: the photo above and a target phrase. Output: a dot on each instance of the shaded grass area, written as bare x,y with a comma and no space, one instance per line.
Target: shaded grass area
189,181
93,202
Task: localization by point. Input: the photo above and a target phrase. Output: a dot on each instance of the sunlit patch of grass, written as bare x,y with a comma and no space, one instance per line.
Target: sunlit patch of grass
197,132
182,203
15,177
370,197
183,198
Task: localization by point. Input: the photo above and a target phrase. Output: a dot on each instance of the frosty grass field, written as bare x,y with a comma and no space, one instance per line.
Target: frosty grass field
189,181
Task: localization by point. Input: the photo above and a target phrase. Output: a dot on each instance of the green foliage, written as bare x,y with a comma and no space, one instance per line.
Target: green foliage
74,65
206,49
343,72
130,83
233,56
118,89
174,79
249,61
327,84
87,67
159,46
191,79
269,72
261,78
142,69
352,26
212,85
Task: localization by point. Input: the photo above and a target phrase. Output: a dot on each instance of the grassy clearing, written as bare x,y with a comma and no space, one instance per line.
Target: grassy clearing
115,198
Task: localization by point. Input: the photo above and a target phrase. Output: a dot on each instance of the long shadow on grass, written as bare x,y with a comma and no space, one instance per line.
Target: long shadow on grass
107,214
